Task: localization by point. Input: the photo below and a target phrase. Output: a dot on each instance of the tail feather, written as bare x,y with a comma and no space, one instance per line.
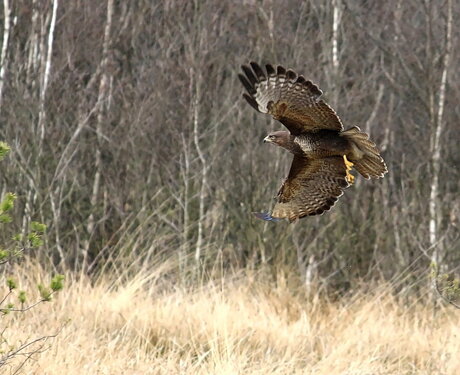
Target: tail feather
366,158
370,167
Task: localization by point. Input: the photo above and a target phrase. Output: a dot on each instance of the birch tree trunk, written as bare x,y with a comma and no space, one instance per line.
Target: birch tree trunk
197,82
103,101
310,266
336,13
34,46
336,17
46,76
434,237
6,37
204,167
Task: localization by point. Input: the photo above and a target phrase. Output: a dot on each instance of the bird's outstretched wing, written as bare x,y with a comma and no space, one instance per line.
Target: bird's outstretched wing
312,187
289,98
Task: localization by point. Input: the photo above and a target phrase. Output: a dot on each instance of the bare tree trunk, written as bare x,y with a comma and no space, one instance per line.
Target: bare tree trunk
46,75
55,196
373,115
336,15
102,105
204,166
6,37
34,46
185,203
434,237
335,59
39,65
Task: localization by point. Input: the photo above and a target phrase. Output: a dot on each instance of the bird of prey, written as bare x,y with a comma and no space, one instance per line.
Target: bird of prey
324,153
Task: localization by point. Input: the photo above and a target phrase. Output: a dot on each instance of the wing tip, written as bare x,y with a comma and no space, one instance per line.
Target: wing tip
257,70
249,73
270,70
252,102
314,89
280,70
291,75
247,85
266,216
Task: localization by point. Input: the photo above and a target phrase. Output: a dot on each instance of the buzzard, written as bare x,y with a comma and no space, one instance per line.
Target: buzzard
324,153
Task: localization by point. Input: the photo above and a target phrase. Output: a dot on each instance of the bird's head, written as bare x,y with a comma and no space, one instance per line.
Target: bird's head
279,138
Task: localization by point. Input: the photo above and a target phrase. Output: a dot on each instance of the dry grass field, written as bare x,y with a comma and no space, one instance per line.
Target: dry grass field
241,324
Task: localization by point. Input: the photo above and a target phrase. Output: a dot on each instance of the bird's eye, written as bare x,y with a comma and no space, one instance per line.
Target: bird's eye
271,137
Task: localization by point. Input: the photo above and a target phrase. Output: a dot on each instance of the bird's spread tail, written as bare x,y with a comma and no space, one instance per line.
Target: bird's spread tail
366,156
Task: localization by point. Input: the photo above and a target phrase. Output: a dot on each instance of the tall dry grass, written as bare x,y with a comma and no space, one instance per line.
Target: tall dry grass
241,324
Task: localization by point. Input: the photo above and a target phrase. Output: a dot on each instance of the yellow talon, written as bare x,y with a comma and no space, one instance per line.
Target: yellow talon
348,164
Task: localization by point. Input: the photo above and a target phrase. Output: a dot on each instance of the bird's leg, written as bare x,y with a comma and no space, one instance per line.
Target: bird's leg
348,165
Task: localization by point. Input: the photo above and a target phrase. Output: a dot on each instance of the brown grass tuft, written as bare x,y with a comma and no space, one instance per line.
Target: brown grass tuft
241,325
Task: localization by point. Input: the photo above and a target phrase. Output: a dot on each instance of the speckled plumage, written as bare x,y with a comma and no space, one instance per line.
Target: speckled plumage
316,137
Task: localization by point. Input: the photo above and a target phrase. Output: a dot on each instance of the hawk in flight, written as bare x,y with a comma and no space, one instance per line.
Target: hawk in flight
324,153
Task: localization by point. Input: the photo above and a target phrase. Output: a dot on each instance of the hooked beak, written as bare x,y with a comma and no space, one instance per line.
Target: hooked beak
267,139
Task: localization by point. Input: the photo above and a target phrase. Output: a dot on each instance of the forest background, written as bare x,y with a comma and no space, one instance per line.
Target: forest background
131,142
